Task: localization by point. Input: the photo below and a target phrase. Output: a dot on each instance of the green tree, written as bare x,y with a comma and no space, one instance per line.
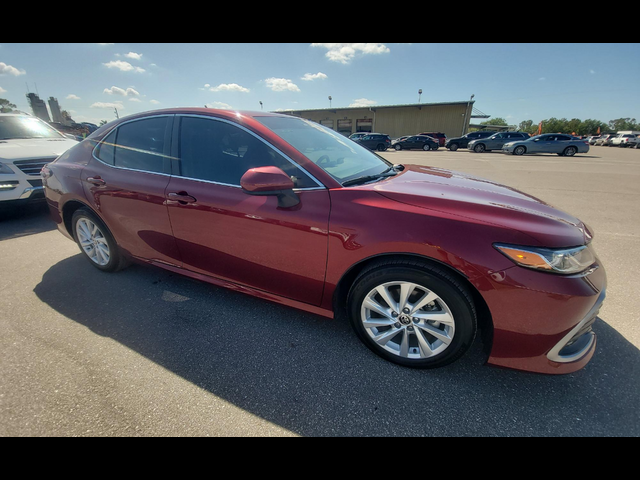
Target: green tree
496,121
6,106
623,124
527,126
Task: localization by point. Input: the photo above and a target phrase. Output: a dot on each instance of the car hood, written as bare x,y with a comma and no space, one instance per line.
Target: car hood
477,199
34,148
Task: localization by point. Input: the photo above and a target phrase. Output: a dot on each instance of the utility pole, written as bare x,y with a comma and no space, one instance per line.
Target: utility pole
419,95
260,104
116,110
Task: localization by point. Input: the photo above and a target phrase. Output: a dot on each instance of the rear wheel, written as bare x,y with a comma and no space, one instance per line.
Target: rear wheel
570,151
426,147
381,147
96,242
412,314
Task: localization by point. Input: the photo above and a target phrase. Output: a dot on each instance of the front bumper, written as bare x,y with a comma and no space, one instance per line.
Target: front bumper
542,321
20,189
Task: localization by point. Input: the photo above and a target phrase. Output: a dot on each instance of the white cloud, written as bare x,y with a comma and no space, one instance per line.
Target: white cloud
592,72
123,66
135,100
363,102
542,79
228,87
71,96
309,77
135,56
10,70
129,92
2,90
107,105
206,85
221,105
155,102
281,84
106,44
345,52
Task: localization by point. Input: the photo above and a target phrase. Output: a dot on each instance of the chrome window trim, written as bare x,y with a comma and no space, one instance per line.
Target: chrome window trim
93,152
320,185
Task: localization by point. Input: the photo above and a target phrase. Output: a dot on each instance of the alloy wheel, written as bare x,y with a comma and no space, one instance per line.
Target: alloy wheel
93,242
407,320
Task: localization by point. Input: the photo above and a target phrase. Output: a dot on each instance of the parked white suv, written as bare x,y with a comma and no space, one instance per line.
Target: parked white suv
26,145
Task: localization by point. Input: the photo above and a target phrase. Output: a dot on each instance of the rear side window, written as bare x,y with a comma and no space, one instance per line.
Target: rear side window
140,145
106,149
219,152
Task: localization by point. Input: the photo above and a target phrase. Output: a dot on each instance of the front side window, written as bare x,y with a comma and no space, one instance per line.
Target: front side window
329,150
219,152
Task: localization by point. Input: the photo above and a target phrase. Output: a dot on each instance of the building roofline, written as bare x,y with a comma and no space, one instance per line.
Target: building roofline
374,107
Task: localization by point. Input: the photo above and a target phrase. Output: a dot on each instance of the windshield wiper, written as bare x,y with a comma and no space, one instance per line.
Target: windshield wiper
366,178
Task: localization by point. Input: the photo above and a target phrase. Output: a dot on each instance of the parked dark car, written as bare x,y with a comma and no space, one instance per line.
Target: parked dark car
495,141
421,142
375,141
284,209
439,136
454,144
357,135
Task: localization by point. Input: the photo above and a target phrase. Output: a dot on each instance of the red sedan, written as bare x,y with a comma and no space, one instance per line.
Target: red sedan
290,211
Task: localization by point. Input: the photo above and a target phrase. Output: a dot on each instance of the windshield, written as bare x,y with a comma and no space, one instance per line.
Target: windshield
12,127
337,155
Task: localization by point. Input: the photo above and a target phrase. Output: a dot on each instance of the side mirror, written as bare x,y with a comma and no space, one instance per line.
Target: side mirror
270,181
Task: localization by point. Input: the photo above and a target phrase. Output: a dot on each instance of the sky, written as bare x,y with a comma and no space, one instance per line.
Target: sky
516,82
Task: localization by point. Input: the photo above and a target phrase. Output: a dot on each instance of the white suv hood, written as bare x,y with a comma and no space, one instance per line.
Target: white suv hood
19,149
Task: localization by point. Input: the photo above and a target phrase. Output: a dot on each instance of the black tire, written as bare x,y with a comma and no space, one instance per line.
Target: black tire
453,147
519,150
397,147
479,148
570,151
426,147
117,261
453,293
381,147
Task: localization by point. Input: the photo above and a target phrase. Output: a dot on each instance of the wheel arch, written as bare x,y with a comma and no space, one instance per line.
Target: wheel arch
484,317
70,207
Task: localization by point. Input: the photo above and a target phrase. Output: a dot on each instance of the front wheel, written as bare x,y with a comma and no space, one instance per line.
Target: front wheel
519,150
412,314
453,147
479,148
397,147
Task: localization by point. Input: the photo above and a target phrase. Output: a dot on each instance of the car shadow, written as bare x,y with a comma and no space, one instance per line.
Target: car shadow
312,376
24,220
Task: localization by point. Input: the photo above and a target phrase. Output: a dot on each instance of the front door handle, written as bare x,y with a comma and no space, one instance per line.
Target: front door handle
181,197
97,181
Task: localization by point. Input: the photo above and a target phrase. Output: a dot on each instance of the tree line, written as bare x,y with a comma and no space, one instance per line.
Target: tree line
573,126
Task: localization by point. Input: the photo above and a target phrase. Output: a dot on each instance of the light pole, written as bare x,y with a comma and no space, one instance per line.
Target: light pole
260,105
419,95
464,125
330,101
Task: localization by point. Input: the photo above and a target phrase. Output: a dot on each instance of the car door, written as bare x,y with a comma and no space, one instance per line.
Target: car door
222,231
125,183
412,142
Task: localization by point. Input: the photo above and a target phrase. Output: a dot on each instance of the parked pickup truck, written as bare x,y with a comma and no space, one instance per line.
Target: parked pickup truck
624,140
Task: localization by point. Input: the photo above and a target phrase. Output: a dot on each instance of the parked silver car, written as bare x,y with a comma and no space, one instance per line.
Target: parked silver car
495,141
548,143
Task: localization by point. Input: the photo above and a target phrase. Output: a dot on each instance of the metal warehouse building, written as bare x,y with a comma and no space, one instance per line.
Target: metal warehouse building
451,118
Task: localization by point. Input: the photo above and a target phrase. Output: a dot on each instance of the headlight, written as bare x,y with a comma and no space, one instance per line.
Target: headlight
564,260
5,170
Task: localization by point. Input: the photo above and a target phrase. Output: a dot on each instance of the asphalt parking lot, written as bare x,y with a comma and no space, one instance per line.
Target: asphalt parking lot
145,352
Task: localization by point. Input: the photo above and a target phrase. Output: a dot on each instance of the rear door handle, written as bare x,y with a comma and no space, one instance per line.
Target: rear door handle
97,181
181,197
